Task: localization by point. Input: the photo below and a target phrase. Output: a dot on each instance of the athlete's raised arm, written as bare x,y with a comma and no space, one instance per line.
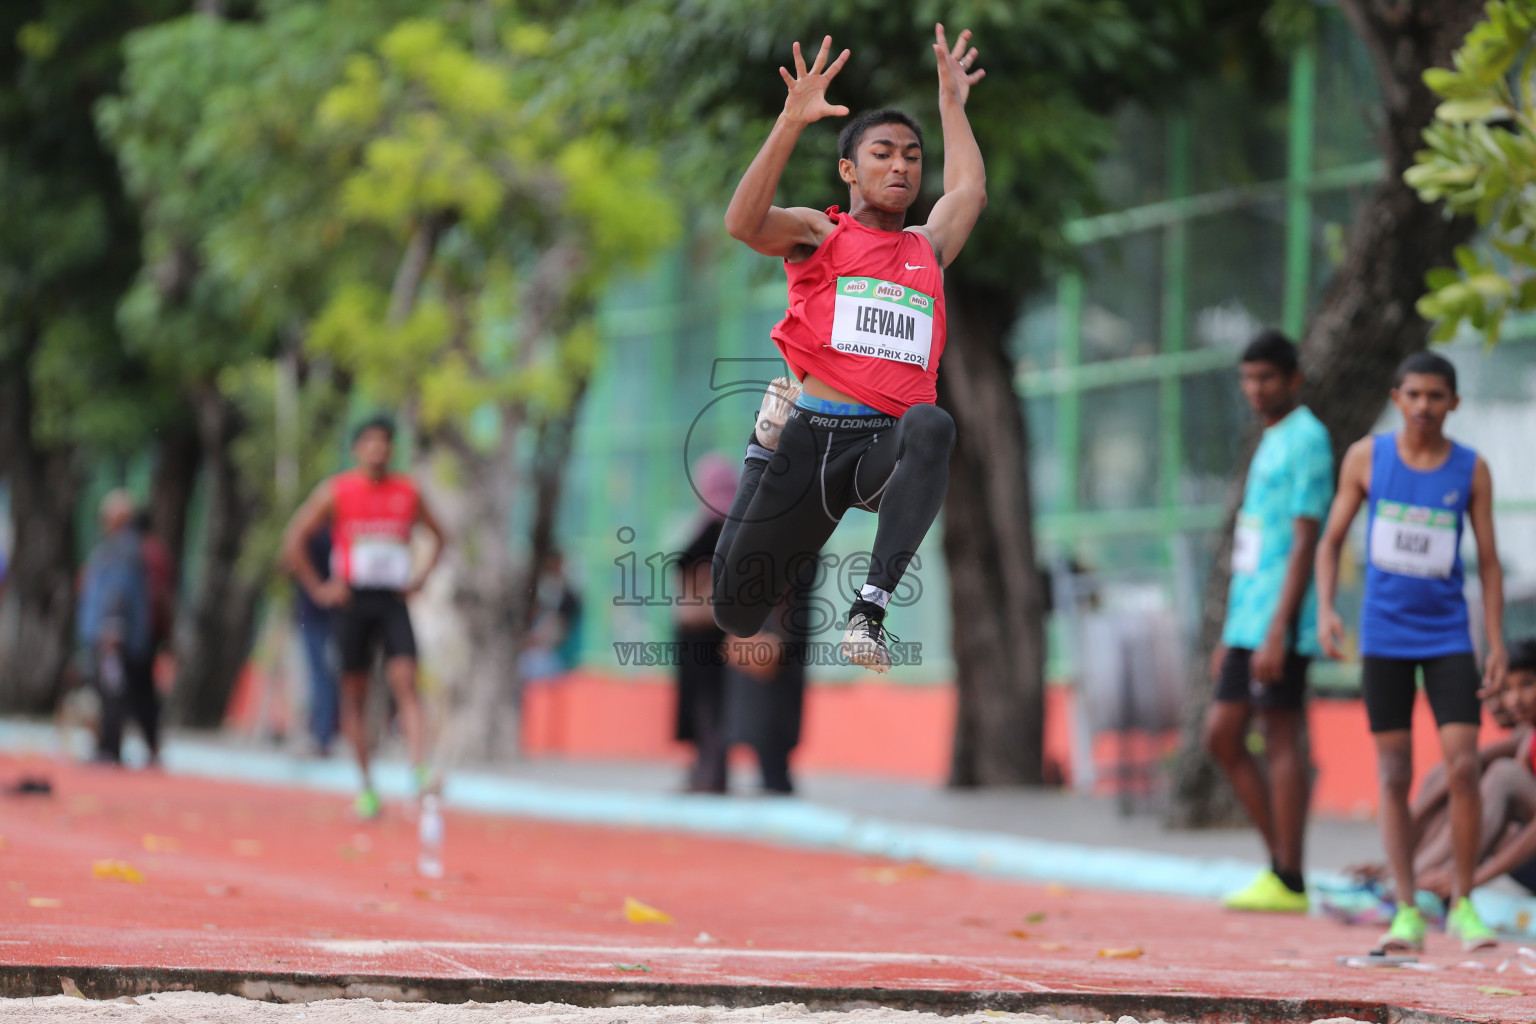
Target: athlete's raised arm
752,218
1354,488
965,176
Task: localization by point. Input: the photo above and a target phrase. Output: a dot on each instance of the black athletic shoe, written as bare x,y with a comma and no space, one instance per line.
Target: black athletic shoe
864,639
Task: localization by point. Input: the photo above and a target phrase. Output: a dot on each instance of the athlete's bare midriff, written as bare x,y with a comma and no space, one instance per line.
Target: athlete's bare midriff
817,388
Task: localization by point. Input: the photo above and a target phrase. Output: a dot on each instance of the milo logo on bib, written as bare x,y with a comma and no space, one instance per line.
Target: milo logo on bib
1413,541
882,320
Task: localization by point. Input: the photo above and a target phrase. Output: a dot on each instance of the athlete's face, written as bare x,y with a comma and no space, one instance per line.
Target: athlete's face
373,451
887,167
1520,696
1270,391
1424,399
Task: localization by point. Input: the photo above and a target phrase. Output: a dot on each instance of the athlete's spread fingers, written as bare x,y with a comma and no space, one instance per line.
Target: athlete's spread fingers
938,33
799,61
965,37
789,79
837,65
821,56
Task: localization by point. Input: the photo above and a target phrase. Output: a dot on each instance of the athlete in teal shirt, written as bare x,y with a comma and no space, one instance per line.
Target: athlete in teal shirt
1269,638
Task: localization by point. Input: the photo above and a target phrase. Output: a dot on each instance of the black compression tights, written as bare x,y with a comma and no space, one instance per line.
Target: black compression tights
787,507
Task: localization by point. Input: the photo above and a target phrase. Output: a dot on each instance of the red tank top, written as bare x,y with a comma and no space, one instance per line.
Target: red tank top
371,530
866,315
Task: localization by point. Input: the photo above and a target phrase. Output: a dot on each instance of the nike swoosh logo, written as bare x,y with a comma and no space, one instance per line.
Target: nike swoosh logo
911,267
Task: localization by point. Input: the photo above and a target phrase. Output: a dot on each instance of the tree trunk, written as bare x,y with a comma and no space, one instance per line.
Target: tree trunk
1366,323
170,492
218,630
996,600
488,603
37,608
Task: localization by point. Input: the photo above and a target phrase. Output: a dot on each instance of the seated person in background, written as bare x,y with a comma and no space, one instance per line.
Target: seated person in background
1508,841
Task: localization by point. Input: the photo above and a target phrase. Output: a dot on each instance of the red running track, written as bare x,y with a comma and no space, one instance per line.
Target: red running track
266,879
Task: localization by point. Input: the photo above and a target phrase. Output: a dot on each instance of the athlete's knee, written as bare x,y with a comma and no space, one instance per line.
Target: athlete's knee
1501,775
740,619
927,429
1463,770
1395,769
1223,739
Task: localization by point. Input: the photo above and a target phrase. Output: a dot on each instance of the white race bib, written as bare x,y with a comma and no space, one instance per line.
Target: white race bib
1413,541
883,320
380,563
1247,544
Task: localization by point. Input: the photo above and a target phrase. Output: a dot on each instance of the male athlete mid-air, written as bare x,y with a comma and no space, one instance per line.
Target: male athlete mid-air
863,335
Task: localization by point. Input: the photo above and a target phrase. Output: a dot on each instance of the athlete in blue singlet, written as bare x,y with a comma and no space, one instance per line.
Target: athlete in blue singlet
1421,489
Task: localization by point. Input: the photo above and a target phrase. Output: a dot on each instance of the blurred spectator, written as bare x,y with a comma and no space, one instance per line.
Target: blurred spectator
160,575
554,639
765,687
116,631
701,666
314,624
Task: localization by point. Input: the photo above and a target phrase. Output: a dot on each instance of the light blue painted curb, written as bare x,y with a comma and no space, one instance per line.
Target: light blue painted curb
789,821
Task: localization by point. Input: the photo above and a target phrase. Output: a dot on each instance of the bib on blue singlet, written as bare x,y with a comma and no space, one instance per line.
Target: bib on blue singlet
883,320
1413,541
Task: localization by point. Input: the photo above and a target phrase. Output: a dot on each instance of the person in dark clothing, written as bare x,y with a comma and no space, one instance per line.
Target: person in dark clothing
765,686
115,628
314,625
701,666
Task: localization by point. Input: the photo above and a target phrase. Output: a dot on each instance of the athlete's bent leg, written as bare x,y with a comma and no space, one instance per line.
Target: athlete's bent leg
778,521
906,480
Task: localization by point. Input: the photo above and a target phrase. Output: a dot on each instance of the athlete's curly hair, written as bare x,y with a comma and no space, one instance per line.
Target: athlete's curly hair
853,132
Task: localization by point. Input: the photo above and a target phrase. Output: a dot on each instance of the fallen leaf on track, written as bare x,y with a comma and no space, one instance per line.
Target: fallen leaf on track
44,902
118,869
161,844
1052,947
1494,990
1121,952
69,988
633,967
1019,933
636,912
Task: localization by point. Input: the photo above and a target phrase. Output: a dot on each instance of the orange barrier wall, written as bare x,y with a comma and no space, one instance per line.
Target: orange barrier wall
899,731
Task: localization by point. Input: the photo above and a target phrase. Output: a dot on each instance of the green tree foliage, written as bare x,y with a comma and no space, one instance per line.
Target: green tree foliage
67,249
503,219
523,221
1481,161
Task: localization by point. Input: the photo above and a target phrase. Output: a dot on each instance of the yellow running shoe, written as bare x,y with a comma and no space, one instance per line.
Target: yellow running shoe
1267,893
1464,923
1407,932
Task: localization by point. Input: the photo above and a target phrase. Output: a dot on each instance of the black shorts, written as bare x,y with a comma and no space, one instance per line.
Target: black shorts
1390,685
1237,685
373,618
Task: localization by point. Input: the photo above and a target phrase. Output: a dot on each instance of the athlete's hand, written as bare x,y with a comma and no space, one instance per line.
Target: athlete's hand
957,70
807,99
1268,662
1437,881
1330,633
332,594
1494,669
1218,658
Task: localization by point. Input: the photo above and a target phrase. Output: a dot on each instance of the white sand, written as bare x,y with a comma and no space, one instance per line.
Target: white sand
186,1007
